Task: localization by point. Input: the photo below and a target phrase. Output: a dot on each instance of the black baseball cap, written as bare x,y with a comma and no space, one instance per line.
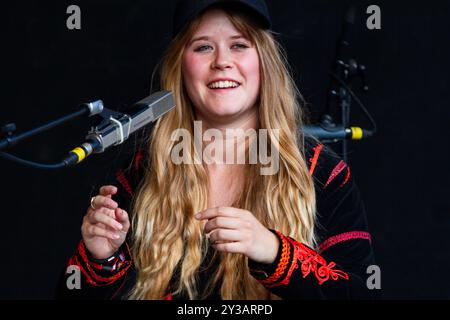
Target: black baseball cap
187,10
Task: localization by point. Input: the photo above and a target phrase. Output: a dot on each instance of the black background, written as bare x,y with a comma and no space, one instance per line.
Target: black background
48,70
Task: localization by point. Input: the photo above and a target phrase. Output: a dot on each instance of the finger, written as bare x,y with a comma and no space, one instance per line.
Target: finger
100,217
225,235
221,222
211,213
232,247
96,231
122,217
102,201
108,191
105,210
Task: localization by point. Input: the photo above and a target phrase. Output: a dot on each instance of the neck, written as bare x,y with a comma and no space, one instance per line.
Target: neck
246,120
228,137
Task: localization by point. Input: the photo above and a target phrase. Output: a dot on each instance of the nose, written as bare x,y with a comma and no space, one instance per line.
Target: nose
222,59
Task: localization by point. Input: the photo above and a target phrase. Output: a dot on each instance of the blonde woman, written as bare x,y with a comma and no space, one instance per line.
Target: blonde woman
206,229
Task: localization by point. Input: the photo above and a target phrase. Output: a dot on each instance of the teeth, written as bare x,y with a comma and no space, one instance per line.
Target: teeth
223,84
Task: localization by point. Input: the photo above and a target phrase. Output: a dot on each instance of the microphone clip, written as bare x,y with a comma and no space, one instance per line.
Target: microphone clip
112,120
352,70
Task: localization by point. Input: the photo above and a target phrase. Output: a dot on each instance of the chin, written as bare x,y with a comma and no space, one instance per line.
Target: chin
226,112
228,108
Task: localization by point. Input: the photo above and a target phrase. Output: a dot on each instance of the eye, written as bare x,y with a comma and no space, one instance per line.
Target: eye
202,48
240,45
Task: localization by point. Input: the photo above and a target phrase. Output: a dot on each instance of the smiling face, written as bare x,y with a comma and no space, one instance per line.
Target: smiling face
221,69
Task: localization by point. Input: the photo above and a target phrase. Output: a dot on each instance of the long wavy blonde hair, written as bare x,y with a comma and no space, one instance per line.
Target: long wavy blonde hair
166,237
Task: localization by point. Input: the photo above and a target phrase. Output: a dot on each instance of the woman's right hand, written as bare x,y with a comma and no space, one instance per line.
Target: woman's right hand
104,228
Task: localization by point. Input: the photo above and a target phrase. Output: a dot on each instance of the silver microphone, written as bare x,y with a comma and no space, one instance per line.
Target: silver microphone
116,127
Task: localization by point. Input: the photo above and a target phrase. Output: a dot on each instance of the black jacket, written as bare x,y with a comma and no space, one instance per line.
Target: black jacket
337,269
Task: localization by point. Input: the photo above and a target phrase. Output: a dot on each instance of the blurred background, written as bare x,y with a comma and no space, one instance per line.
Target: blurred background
48,70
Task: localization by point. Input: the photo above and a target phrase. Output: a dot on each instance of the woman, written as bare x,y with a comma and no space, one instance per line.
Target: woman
211,230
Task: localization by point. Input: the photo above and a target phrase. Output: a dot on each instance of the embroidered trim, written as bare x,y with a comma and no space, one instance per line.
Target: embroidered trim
339,167
293,266
314,159
74,261
343,237
346,178
310,262
120,175
88,270
282,264
96,277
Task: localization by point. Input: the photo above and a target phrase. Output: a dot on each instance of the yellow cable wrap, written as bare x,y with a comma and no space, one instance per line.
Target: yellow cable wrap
80,153
357,133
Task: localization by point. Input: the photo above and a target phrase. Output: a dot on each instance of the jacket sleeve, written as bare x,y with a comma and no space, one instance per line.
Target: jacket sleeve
109,278
336,268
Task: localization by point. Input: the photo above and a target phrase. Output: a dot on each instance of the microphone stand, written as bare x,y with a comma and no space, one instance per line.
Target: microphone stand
113,130
10,140
91,108
347,70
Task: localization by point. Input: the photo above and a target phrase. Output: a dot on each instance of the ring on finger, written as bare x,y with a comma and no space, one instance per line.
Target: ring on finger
92,204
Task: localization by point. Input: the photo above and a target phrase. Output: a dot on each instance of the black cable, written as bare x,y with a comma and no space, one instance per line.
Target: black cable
357,101
31,163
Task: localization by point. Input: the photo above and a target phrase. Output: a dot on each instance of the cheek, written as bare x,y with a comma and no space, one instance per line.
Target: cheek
193,72
192,69
250,66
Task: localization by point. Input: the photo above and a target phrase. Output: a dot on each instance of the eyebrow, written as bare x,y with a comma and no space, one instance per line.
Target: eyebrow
207,38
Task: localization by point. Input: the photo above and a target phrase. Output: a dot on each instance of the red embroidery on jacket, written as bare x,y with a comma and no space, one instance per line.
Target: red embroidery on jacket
74,261
120,175
91,277
97,278
282,264
343,237
339,167
311,262
346,178
314,159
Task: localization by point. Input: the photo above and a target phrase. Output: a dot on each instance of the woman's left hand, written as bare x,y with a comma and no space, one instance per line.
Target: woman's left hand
238,231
